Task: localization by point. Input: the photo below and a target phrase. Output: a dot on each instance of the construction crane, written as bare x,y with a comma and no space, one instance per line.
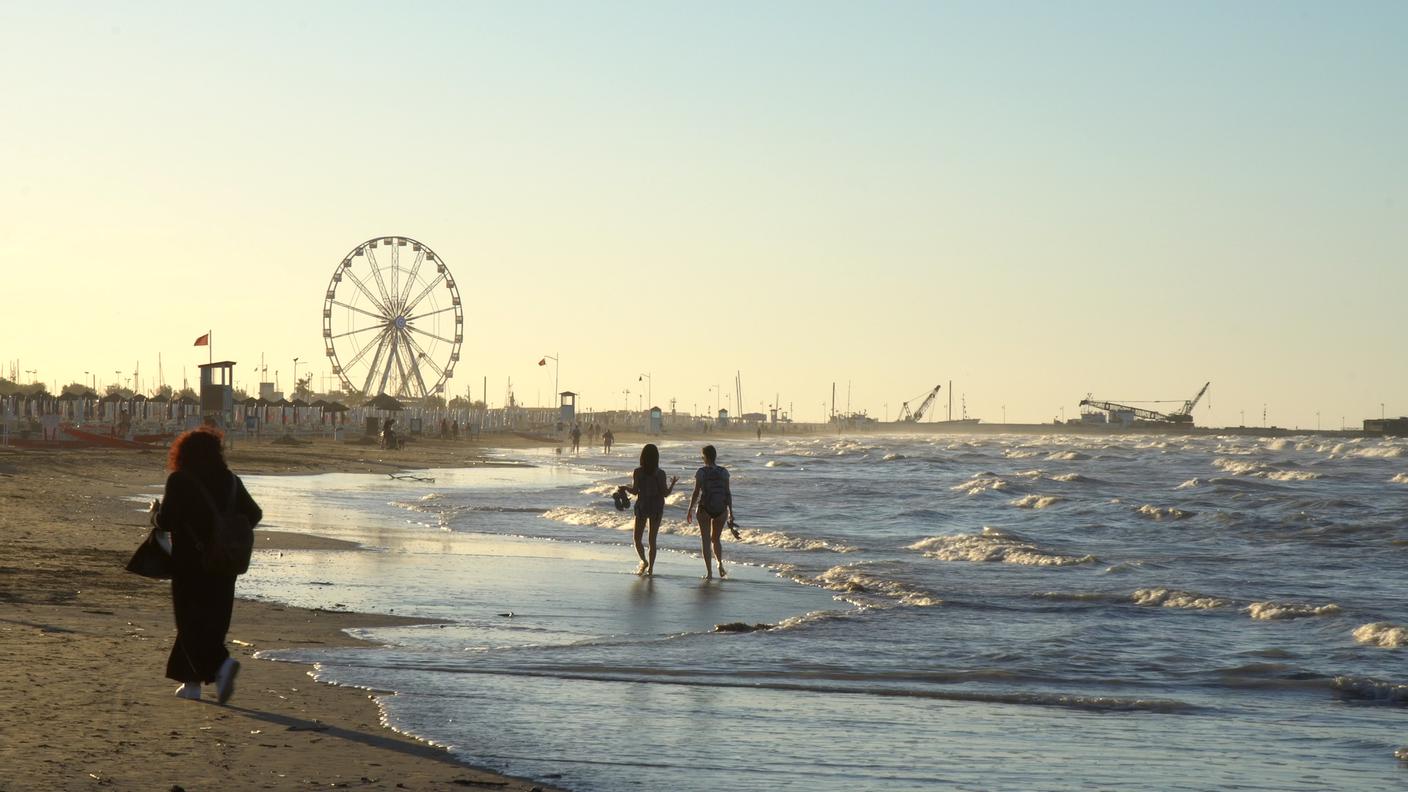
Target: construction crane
914,417
1181,416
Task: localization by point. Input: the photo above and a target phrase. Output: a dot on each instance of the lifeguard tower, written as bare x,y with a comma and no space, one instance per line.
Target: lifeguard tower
567,408
657,417
217,392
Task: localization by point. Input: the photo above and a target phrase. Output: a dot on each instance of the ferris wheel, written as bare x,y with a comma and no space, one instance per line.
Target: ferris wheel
392,319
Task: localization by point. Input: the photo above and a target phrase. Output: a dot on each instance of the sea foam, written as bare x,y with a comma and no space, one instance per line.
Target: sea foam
1267,611
993,545
1037,501
1385,634
1160,513
1173,598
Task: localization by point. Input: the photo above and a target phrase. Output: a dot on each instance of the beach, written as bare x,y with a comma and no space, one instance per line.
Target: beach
902,612
84,643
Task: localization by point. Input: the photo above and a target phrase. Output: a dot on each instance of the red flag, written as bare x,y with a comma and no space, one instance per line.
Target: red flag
203,340
543,362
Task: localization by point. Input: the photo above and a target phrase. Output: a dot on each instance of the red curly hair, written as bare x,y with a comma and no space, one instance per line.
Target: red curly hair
197,450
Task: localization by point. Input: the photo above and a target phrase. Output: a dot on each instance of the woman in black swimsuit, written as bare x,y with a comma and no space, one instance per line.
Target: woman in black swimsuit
650,488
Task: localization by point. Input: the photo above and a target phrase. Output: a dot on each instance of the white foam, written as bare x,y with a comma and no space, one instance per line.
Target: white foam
856,579
1370,690
1173,598
597,518
1377,452
1288,475
1013,453
1037,501
1192,483
1070,478
983,482
1385,634
786,542
1267,611
1237,467
1161,513
993,545
1066,456
777,463
1401,478
891,457
601,489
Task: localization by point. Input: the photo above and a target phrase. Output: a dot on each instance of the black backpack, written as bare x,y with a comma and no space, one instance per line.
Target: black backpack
231,535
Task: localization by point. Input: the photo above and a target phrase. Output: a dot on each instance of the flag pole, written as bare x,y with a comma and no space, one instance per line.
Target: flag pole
209,346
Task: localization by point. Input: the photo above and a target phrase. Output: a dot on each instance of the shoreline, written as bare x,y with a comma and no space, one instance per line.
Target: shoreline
85,643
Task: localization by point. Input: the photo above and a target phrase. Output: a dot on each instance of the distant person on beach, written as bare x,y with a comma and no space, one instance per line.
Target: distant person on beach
199,484
760,431
715,501
606,440
576,437
650,488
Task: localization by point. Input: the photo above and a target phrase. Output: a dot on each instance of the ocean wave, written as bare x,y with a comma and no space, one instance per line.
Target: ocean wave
1193,483
1287,475
777,463
1385,634
993,545
1237,467
1375,691
1161,513
1401,478
860,578
1014,453
596,518
1037,501
1066,456
893,457
1267,611
1072,478
787,542
601,489
1377,452
1173,598
983,482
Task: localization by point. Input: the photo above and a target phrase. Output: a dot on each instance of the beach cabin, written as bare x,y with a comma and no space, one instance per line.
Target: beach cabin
657,417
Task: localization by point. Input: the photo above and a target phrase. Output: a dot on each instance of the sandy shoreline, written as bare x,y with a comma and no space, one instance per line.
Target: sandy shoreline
84,644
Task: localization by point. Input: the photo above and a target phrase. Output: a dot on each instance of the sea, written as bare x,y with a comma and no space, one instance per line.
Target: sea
984,612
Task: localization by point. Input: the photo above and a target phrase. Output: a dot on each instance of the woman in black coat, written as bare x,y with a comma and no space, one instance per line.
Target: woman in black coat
203,601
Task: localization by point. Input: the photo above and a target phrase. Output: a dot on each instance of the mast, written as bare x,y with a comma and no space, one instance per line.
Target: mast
950,400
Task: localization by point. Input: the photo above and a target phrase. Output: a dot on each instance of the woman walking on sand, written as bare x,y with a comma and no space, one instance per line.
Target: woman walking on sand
715,501
650,488
200,492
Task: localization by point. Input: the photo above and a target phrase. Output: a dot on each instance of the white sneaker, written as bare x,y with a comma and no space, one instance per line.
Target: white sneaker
189,690
225,679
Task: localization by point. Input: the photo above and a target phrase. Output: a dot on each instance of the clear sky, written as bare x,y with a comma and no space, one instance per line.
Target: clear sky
1036,200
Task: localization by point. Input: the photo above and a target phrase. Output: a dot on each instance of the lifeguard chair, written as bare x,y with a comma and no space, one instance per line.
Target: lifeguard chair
217,392
567,408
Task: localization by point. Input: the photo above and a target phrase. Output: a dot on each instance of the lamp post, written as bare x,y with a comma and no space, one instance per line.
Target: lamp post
626,393
295,378
649,384
555,371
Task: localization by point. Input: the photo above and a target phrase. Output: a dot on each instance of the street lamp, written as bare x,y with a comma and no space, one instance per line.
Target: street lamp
627,395
649,384
295,377
555,368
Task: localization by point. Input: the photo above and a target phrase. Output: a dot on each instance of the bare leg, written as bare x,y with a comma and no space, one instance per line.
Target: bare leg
717,529
654,531
704,541
640,549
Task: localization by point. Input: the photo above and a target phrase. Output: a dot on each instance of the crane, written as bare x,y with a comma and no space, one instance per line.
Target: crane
1181,416
914,417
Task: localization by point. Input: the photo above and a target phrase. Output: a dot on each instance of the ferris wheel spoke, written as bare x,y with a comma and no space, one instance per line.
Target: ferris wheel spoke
415,368
378,317
386,310
428,333
361,330
400,358
375,364
386,298
395,271
411,279
425,356
380,339
429,287
410,319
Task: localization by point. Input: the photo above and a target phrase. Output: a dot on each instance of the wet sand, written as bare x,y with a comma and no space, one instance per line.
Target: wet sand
84,645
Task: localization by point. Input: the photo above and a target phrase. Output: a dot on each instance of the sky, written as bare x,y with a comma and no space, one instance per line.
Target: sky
1033,200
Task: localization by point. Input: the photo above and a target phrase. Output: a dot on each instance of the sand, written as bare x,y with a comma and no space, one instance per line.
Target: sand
83,646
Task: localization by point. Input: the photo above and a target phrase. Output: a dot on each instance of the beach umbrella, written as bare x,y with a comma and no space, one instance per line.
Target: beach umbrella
385,402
